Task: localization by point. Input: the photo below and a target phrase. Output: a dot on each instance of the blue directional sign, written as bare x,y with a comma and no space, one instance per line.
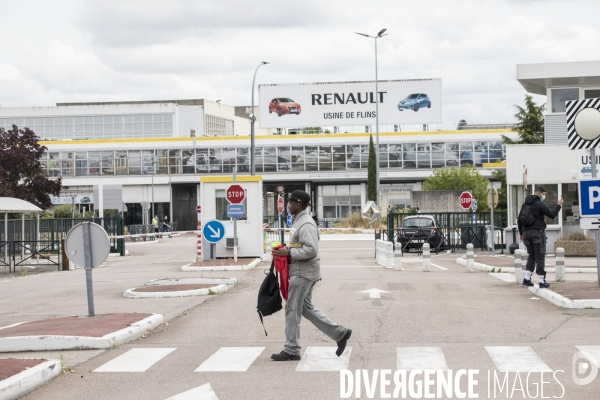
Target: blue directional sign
289,220
474,205
213,231
589,198
235,210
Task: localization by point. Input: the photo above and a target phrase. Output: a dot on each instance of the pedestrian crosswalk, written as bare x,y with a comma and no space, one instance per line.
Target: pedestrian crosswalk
323,359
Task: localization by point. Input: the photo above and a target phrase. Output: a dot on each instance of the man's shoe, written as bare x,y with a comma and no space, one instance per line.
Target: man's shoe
527,282
342,343
283,356
544,285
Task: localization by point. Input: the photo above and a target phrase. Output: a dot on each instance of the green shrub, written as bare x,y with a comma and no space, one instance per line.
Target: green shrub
578,236
65,211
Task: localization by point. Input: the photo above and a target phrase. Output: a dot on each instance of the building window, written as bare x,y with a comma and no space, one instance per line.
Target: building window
591,93
559,96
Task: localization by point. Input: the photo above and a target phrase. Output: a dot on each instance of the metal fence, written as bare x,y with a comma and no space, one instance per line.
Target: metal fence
4,254
32,251
459,229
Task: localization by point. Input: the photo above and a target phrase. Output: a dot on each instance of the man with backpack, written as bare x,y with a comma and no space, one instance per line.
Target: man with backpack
532,229
305,271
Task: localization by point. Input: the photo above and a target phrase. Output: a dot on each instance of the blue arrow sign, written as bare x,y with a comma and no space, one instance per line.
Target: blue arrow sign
589,197
213,231
235,210
289,220
474,205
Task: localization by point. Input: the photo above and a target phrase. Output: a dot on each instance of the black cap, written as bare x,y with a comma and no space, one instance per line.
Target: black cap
301,197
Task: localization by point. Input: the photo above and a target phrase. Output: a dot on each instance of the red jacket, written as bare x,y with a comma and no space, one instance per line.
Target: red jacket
281,266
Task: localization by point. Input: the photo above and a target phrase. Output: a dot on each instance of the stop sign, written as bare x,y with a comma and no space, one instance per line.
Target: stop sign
280,205
465,200
235,194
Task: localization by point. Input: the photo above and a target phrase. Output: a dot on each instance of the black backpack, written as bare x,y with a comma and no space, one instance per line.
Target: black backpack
526,216
269,298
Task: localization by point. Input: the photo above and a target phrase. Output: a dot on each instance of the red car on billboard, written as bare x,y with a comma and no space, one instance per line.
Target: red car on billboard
284,105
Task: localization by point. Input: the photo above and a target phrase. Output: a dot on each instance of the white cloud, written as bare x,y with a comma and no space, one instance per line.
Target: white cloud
133,50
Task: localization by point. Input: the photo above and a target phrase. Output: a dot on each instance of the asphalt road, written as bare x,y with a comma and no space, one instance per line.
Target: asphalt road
464,317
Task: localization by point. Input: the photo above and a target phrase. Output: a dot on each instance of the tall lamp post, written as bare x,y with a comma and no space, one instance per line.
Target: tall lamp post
252,119
380,34
154,162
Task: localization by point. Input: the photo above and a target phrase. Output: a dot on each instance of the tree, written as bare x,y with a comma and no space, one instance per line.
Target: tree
531,123
463,178
372,172
21,173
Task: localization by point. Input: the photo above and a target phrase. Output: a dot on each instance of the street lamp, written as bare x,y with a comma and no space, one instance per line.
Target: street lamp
154,162
380,34
252,119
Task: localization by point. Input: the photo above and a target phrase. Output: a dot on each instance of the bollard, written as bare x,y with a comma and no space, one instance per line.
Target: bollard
426,255
398,258
560,264
519,273
470,258
389,255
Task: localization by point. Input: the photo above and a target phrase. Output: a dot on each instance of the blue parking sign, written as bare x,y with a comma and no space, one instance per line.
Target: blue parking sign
589,197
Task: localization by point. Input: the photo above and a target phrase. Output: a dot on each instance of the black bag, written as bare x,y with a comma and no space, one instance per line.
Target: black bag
526,215
269,298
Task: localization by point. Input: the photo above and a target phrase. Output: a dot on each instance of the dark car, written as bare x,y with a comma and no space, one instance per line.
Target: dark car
419,229
283,105
85,200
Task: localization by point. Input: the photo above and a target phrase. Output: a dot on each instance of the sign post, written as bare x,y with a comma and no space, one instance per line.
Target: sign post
199,234
214,232
492,199
235,195
583,124
80,251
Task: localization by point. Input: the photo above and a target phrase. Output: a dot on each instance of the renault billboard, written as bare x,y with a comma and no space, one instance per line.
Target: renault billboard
411,101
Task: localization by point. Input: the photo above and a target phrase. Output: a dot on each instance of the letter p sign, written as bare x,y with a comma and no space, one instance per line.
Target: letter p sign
594,196
589,197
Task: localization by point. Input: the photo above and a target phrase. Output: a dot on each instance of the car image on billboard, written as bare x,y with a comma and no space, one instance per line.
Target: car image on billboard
414,101
283,105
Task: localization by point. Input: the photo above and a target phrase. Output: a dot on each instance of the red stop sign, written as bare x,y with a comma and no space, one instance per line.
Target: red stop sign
235,194
465,200
280,205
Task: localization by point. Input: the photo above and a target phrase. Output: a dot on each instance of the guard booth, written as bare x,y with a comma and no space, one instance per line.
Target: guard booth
213,202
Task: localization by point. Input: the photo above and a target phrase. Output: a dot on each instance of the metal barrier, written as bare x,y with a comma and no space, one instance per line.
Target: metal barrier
43,249
458,229
139,229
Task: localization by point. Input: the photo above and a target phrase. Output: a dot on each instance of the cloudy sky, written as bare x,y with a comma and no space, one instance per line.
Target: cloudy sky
71,51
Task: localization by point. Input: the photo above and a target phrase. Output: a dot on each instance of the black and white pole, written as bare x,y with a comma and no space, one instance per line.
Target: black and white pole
398,258
389,255
560,264
426,257
596,231
87,254
235,238
519,273
470,258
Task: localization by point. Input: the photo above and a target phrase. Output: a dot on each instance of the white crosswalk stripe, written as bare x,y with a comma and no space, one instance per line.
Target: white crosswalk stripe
231,359
516,358
135,360
204,392
324,359
423,358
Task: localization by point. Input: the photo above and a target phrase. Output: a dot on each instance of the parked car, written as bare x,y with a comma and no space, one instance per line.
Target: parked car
85,200
414,102
417,230
284,105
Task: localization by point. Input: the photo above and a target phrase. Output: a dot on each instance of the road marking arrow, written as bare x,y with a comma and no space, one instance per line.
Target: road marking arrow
374,293
216,233
596,223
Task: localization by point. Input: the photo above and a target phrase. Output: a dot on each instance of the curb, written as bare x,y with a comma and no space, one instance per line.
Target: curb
27,381
131,294
247,267
491,268
193,281
562,301
56,342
